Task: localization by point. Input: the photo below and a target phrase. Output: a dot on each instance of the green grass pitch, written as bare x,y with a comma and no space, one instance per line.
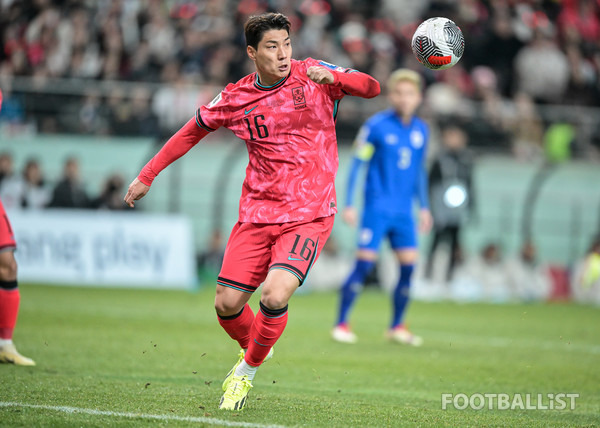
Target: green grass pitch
110,357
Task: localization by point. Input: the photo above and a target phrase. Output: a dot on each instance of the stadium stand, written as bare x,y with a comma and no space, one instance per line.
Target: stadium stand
97,79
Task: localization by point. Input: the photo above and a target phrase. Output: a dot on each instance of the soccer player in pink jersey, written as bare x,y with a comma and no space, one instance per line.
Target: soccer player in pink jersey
285,112
9,295
9,292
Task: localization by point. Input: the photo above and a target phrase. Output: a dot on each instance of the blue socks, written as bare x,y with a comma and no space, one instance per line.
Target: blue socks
354,284
352,287
402,294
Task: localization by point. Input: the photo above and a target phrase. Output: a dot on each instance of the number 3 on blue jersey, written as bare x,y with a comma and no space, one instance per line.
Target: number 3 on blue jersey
404,157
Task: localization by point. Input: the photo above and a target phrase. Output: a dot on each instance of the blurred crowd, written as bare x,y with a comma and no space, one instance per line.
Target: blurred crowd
496,277
528,84
29,188
520,57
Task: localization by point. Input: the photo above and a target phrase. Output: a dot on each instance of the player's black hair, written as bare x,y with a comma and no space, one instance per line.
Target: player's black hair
257,25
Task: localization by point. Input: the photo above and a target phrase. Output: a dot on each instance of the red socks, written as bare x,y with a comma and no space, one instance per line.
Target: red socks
9,308
266,330
238,326
257,334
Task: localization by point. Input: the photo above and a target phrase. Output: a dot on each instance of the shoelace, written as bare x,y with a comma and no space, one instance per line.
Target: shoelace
229,394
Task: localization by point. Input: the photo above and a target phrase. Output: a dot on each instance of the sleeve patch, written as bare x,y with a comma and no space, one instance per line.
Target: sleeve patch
332,67
365,151
215,100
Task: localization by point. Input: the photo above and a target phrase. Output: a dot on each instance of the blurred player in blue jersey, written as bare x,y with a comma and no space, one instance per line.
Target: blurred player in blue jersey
393,144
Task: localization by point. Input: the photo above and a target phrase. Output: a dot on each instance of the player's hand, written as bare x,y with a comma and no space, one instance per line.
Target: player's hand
350,216
425,220
137,190
320,75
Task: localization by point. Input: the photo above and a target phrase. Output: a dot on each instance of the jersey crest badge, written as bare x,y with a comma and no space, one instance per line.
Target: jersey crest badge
417,139
298,96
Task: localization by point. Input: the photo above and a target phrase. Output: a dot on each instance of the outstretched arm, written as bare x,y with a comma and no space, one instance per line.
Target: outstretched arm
363,152
178,145
357,84
354,83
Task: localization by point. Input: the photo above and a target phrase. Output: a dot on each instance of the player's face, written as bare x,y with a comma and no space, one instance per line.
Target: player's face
273,56
405,98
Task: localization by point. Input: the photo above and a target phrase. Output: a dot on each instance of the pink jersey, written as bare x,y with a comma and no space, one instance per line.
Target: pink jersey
7,236
289,130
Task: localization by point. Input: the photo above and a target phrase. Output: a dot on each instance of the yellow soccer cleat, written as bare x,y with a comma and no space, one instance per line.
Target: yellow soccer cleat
232,371
240,359
237,393
9,354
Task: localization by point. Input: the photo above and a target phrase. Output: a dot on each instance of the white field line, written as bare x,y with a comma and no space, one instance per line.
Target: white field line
504,342
198,419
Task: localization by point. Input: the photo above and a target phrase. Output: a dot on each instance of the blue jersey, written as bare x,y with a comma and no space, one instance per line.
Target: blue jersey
395,153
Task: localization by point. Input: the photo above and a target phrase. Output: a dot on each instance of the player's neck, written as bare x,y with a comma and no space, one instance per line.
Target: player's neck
404,118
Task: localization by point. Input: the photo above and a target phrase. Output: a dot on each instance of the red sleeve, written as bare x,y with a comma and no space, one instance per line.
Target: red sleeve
178,145
356,83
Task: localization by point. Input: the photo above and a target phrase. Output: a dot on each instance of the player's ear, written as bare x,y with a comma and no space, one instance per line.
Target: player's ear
251,52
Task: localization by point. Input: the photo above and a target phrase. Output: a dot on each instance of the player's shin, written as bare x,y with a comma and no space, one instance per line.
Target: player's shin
9,308
267,328
238,326
352,287
401,294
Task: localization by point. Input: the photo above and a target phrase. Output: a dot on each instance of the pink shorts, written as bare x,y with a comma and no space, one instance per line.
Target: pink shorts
254,249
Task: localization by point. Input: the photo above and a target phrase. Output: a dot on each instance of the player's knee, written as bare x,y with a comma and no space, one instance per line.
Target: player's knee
274,299
278,288
8,267
227,306
407,257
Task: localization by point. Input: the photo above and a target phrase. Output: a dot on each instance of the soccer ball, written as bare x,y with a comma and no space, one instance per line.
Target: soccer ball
438,43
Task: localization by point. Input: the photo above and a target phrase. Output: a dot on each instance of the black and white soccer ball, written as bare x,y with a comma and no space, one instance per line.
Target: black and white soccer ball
438,43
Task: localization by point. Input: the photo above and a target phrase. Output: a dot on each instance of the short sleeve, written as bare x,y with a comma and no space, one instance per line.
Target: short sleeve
215,114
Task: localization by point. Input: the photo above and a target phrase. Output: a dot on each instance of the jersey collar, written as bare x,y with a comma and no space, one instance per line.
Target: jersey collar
270,88
401,122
